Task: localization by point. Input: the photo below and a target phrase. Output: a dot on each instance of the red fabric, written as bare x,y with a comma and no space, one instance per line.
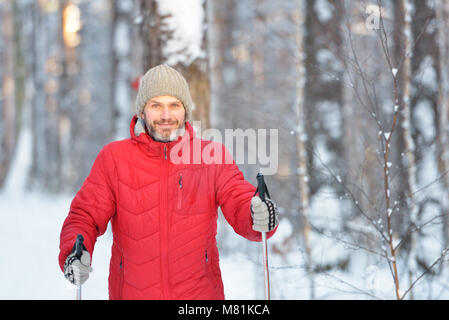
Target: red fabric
164,235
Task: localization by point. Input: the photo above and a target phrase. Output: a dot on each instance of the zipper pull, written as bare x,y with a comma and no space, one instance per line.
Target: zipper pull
180,192
165,151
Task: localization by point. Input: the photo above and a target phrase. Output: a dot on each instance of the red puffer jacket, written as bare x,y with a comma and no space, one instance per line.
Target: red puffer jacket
163,217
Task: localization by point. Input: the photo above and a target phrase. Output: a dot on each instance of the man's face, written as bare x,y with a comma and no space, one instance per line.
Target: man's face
163,115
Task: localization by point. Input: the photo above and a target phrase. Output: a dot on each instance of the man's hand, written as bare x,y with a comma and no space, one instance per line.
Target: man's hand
264,213
77,270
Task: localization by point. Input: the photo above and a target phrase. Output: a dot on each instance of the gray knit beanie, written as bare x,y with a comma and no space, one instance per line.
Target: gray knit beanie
163,80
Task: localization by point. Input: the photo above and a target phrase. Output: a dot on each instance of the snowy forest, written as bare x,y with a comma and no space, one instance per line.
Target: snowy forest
358,91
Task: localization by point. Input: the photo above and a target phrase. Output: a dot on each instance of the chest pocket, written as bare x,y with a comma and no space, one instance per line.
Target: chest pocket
191,193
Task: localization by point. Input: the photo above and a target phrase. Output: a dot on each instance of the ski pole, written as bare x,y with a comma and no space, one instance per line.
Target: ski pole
262,190
78,254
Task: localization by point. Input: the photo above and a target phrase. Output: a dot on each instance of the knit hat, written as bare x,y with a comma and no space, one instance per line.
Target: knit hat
163,80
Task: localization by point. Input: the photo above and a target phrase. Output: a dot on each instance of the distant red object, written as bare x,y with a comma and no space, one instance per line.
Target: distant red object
135,84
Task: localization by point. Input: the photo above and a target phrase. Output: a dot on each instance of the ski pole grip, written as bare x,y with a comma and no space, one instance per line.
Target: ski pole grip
79,246
261,187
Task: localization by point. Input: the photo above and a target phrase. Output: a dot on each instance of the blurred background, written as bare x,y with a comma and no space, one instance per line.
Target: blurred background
359,94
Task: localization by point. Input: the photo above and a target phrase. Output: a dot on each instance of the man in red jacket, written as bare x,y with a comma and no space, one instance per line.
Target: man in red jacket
163,213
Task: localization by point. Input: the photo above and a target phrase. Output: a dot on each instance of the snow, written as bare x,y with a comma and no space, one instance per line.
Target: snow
125,5
186,20
389,212
325,57
424,115
324,10
426,74
138,20
29,243
122,41
16,180
331,118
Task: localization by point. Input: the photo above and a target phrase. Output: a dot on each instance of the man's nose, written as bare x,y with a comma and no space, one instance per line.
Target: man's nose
165,113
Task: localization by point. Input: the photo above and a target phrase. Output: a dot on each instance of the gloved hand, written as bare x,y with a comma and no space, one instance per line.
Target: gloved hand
264,213
77,270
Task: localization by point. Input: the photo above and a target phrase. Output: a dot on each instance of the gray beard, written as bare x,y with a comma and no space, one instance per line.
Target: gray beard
173,136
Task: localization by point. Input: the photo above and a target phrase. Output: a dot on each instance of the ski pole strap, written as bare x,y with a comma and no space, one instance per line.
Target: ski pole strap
79,246
262,189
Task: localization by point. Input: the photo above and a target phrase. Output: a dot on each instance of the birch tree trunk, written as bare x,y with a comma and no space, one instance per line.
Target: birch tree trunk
302,140
406,156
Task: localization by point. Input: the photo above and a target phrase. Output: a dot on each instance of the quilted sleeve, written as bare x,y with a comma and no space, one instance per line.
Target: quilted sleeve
92,207
233,194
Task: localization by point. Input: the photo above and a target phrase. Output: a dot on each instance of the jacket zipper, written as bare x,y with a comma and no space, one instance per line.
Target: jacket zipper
164,227
180,192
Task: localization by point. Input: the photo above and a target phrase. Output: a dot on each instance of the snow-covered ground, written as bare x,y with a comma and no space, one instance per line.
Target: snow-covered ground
29,248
